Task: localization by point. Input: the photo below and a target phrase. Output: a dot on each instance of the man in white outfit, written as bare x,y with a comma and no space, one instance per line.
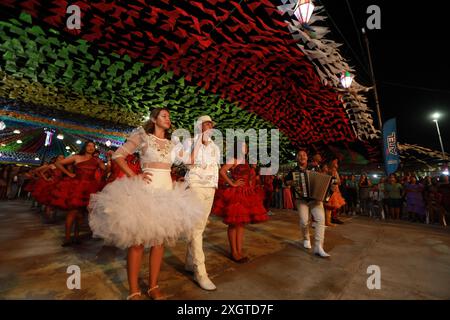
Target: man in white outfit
203,162
305,206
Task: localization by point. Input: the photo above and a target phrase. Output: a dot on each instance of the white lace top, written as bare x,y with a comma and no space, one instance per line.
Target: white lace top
150,148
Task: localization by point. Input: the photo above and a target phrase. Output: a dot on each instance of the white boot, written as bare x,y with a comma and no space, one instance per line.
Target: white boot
305,233
307,244
318,251
204,282
318,213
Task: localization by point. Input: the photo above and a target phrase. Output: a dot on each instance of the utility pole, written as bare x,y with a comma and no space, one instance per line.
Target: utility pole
372,75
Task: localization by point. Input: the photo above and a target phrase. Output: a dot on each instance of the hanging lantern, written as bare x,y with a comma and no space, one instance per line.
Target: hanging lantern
78,141
108,143
346,80
19,141
36,159
67,148
2,125
60,136
48,138
304,11
16,131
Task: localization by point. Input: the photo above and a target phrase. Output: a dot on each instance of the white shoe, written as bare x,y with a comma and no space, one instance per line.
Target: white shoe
307,244
318,251
204,282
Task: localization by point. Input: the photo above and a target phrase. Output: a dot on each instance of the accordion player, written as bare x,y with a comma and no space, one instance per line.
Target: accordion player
312,185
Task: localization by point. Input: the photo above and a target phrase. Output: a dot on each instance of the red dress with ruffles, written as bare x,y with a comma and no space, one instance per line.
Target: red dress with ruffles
42,192
74,193
240,205
29,185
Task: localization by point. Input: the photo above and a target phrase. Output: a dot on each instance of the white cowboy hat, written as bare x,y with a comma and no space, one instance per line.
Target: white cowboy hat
202,119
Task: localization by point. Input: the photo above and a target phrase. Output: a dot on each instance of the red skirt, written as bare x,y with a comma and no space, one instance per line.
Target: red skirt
29,185
336,201
42,190
241,205
287,198
72,193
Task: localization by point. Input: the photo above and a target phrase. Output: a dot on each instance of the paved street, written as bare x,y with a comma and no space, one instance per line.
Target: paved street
414,260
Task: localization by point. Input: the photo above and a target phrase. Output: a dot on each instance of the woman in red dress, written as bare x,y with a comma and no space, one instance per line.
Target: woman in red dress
116,172
49,176
240,202
31,178
72,193
288,203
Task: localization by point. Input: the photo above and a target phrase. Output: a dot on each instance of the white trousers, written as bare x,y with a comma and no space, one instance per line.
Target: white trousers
318,212
195,257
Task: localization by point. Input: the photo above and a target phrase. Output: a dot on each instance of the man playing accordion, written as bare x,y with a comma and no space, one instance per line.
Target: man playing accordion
306,204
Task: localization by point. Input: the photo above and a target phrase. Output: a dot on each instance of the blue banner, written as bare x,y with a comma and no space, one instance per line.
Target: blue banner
390,149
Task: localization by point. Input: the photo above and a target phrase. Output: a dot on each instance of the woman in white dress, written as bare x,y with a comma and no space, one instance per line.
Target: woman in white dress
145,210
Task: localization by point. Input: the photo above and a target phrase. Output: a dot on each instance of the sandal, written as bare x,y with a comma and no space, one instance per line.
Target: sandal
161,297
243,260
240,260
67,243
136,294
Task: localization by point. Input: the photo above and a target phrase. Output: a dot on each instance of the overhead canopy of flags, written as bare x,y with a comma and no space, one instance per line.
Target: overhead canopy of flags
247,64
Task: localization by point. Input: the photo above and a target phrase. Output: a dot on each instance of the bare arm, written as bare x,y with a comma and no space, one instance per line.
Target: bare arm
41,169
61,163
42,172
101,164
223,174
123,165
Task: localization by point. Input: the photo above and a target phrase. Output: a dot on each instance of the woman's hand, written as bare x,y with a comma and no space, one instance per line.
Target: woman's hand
147,177
72,175
238,183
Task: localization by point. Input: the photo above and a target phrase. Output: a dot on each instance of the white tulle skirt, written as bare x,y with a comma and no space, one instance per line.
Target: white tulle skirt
130,211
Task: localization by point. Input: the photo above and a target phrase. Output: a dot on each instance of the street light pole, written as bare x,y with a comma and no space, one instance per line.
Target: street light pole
440,140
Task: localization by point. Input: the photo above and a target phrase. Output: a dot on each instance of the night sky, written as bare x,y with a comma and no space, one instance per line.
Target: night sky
411,64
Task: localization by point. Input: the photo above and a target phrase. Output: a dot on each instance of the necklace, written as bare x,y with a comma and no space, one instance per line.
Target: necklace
161,145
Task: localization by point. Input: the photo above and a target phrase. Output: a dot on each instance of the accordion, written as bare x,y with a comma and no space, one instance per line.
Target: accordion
313,185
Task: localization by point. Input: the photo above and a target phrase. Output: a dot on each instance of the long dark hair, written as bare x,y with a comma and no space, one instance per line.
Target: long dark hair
149,125
237,149
83,148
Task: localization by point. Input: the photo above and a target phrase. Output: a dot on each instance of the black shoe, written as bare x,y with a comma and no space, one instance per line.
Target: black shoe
337,221
77,241
243,260
67,243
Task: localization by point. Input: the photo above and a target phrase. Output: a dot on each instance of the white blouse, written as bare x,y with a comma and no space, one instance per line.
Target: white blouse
150,148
